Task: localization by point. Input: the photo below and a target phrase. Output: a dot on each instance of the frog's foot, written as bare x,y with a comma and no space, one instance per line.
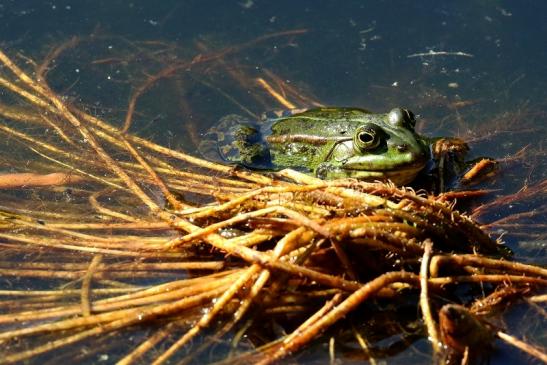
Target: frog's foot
216,137
480,170
237,140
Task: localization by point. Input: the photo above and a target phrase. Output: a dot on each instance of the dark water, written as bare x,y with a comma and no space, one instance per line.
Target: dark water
474,69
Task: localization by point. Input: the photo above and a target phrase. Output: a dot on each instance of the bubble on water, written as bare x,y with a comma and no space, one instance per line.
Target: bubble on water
103,357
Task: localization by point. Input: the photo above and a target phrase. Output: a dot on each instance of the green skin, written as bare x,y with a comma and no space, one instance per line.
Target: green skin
329,143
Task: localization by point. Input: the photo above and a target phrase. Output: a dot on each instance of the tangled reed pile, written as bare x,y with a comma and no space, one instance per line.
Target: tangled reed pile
151,255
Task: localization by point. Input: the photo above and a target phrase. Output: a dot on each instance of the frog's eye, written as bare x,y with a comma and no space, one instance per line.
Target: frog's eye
396,117
400,117
366,138
409,118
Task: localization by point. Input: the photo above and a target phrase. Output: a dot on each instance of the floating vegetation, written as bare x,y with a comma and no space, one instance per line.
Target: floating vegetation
127,251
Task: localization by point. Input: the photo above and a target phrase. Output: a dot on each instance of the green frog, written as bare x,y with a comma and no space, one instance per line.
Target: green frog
328,143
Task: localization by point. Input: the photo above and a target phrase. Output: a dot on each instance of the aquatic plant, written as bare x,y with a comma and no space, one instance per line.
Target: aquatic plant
146,253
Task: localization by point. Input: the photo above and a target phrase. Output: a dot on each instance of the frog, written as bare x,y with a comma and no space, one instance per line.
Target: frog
326,142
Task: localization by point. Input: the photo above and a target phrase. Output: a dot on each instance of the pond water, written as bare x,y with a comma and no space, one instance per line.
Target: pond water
475,69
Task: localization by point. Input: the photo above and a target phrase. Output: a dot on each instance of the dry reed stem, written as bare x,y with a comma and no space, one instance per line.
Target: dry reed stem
365,346
526,192
344,259
303,220
10,112
277,96
205,320
62,292
54,149
430,324
502,222
538,298
38,101
44,67
477,169
26,180
74,275
116,321
68,233
488,278
237,201
366,291
484,262
86,285
251,239
110,226
133,308
174,175
62,110
253,256
170,70
148,344
228,170
233,69
285,86
111,135
59,131
119,266
523,346
154,176
94,203
74,170
283,246
25,137
229,98
70,244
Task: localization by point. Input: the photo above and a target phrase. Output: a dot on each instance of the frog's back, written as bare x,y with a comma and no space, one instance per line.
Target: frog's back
241,141
321,121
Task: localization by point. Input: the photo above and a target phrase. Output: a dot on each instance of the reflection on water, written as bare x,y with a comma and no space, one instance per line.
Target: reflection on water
471,69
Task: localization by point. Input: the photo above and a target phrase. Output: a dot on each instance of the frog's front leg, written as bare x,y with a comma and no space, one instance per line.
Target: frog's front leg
324,171
449,155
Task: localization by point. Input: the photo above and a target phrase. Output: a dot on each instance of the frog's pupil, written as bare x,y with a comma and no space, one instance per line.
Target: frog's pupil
366,137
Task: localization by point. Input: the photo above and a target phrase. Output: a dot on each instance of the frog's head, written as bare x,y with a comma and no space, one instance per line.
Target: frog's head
383,146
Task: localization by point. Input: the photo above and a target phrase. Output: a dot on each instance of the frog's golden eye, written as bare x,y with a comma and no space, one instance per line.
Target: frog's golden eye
366,138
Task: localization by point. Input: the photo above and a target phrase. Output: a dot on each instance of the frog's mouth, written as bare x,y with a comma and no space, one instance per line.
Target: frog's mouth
399,172
400,176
